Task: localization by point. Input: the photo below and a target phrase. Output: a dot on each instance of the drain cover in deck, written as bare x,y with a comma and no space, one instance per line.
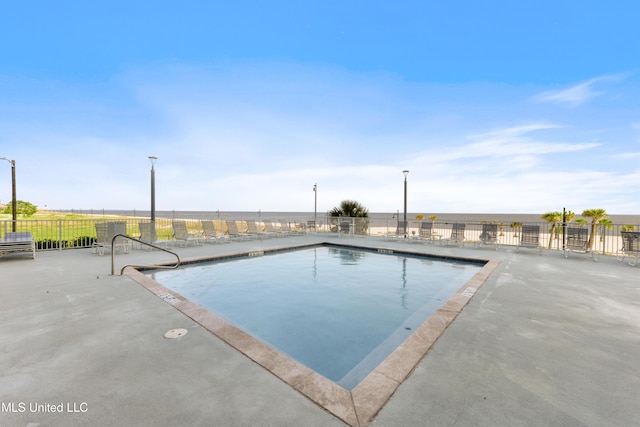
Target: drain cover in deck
175,333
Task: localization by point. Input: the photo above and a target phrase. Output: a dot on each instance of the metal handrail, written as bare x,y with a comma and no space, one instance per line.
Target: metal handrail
170,267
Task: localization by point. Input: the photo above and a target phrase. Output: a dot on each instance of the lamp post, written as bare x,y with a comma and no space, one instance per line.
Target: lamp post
13,193
153,188
405,172
315,207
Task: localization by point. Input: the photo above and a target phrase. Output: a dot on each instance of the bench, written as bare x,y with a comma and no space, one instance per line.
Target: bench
21,241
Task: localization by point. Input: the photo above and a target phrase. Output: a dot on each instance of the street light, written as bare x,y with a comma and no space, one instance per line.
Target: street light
405,172
153,188
13,193
315,207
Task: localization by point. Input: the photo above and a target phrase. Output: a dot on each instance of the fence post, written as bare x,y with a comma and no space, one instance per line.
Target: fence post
60,235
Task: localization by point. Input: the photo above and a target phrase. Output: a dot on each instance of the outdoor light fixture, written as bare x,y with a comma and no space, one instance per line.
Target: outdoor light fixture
13,193
405,172
315,206
153,188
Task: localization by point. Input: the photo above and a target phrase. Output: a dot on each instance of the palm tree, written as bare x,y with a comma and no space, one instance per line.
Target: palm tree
516,226
554,218
595,215
350,208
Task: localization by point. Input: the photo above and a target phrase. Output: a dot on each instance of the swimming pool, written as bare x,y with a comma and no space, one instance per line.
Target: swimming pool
338,310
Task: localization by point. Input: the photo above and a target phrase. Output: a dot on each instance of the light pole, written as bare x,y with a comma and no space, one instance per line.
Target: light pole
405,172
153,188
315,207
13,193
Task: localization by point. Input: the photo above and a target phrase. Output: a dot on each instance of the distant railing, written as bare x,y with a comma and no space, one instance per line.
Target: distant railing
81,233
608,239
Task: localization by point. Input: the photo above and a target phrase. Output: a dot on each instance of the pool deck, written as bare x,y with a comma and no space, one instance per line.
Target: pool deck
545,341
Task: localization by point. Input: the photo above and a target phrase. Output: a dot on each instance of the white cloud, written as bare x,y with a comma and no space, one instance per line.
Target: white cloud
577,94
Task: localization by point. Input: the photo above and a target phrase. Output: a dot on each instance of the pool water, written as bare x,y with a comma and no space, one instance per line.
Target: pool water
339,311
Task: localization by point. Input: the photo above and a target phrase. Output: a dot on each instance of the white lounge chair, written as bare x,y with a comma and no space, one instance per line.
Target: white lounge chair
399,231
457,234
426,233
148,235
235,233
269,228
252,228
630,247
530,237
577,240
345,227
489,235
105,232
17,241
181,234
210,234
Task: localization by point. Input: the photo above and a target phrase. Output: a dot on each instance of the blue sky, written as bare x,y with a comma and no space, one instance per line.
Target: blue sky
493,106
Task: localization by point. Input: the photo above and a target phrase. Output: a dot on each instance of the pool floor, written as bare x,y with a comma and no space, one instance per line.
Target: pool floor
358,397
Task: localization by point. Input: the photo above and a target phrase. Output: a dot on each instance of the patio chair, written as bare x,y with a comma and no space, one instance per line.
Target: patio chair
530,237
269,228
252,228
426,233
457,234
345,227
234,233
105,232
18,241
181,234
630,247
285,226
577,240
148,235
399,231
209,233
312,227
489,235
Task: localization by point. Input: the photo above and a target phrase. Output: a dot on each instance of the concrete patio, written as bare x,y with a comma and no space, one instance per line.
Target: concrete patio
545,341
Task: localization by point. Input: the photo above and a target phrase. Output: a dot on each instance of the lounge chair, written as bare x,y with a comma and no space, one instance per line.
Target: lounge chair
18,241
269,228
489,235
530,237
252,228
181,234
345,227
105,232
148,235
425,233
209,233
399,231
630,247
577,240
286,227
457,234
234,233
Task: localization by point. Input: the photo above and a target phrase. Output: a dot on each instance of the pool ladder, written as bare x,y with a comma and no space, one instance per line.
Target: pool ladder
165,267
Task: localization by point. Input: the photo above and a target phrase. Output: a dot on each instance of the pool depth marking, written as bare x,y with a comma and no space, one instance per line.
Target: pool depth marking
358,407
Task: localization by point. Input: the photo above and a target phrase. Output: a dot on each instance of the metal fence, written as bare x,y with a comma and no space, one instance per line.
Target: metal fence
81,233
607,236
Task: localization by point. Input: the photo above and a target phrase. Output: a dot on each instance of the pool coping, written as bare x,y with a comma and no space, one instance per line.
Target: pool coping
357,407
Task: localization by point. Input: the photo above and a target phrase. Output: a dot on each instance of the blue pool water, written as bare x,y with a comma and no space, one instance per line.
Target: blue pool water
339,311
